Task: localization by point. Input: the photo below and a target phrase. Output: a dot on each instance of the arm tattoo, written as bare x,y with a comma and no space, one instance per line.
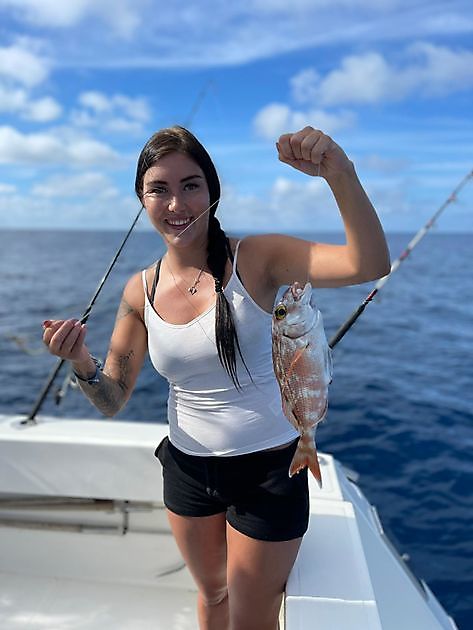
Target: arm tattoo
109,394
124,309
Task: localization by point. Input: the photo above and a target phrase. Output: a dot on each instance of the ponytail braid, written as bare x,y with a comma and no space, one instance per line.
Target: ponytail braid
226,336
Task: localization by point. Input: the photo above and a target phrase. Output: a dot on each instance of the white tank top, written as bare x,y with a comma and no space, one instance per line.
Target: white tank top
207,415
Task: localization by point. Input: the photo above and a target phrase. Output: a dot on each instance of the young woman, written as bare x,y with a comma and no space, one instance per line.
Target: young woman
203,312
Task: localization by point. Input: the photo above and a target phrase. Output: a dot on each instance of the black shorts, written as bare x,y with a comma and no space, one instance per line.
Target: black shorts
255,491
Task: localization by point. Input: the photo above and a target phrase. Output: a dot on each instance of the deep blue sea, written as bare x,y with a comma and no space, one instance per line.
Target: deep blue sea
401,402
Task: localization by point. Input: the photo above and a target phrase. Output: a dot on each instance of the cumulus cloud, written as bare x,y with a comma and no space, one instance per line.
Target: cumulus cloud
277,118
22,66
117,113
287,205
50,148
370,78
21,71
18,101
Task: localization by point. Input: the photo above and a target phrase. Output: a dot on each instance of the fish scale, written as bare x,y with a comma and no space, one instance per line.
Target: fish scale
303,368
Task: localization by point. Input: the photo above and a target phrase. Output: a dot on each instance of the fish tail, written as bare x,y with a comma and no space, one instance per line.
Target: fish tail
306,455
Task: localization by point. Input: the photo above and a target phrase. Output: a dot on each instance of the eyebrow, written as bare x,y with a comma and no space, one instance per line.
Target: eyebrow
155,182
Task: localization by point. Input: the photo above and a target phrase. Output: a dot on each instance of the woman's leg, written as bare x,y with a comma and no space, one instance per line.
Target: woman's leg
202,542
257,572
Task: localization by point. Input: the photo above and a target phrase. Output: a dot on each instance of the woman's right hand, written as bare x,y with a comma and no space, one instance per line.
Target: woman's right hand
65,338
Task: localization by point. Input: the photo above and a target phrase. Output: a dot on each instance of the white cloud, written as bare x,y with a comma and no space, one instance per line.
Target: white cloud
39,212
22,66
18,101
369,78
51,148
116,113
7,189
288,205
243,31
42,110
92,185
122,15
277,118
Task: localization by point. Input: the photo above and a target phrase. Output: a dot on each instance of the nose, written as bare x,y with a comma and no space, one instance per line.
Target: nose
175,202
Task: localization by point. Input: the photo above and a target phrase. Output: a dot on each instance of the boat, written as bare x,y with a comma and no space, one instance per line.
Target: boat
85,543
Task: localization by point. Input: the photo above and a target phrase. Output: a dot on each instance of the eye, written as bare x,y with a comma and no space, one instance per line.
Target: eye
155,192
192,186
280,311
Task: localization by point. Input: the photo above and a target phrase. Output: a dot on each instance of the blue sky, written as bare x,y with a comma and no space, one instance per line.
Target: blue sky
83,84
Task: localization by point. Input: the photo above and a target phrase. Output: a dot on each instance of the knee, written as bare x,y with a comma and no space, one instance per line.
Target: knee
214,597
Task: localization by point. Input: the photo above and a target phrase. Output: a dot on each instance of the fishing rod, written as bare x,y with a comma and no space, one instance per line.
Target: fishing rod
345,327
55,371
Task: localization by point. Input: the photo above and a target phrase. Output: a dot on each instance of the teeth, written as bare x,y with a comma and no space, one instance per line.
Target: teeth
178,222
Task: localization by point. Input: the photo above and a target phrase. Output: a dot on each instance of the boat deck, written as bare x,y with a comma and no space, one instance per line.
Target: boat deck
85,544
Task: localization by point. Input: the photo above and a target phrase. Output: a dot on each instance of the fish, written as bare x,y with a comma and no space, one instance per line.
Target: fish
302,362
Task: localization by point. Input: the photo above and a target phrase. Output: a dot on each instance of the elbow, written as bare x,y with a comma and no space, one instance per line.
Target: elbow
373,272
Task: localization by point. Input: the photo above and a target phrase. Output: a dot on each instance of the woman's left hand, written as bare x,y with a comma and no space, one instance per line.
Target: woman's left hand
313,153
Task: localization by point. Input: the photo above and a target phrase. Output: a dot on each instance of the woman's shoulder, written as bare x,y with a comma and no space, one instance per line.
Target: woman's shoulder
134,290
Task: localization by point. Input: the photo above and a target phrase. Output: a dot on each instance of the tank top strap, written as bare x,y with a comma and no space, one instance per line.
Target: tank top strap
236,254
155,282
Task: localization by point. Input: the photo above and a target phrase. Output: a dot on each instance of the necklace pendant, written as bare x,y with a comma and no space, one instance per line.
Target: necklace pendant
192,290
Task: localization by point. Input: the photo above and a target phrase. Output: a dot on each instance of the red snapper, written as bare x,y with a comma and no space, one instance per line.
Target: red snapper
303,367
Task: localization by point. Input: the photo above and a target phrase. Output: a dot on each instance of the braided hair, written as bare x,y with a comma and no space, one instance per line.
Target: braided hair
181,140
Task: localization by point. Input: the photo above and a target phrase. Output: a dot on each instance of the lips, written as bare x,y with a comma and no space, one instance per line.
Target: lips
178,224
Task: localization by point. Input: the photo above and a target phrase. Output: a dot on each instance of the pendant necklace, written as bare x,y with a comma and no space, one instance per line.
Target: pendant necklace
193,288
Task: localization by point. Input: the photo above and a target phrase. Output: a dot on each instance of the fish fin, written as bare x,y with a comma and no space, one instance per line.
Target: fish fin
306,455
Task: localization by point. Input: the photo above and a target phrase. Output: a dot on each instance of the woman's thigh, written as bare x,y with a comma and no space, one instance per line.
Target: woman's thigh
202,543
257,571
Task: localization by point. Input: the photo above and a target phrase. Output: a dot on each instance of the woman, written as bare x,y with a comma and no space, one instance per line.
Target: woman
204,314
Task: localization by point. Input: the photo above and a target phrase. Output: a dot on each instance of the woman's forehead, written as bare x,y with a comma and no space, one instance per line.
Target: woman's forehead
174,166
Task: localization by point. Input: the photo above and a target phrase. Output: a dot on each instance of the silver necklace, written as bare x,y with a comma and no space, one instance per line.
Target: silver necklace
193,288
212,341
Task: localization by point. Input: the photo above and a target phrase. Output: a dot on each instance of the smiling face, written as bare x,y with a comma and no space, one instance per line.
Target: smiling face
175,193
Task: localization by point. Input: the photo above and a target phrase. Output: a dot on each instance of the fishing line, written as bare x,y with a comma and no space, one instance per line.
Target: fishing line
176,238
345,327
55,371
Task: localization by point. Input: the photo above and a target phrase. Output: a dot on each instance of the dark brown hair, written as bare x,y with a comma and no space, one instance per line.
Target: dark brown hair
181,140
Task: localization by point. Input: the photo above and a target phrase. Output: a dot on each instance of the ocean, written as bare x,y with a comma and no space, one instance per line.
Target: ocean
401,402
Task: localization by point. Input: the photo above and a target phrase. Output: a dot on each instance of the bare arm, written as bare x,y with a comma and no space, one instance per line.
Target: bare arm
125,355
364,256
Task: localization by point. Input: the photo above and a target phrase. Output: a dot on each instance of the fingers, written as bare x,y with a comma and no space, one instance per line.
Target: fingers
309,145
64,338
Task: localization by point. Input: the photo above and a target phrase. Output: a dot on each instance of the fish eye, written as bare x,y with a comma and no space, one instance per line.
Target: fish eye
280,311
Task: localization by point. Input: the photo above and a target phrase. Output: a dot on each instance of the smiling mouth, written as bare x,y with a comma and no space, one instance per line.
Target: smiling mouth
179,223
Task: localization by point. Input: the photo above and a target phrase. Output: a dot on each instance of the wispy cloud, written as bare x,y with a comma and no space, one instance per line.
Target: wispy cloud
122,15
51,148
91,185
137,35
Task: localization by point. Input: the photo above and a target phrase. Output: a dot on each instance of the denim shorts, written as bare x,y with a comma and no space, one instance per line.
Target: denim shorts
255,491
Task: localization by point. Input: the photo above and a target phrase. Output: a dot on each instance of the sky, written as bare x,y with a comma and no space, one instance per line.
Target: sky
84,84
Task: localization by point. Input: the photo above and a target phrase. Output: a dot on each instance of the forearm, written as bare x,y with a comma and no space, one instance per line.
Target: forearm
107,394
365,240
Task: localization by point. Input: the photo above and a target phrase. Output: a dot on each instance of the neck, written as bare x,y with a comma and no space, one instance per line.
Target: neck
181,258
